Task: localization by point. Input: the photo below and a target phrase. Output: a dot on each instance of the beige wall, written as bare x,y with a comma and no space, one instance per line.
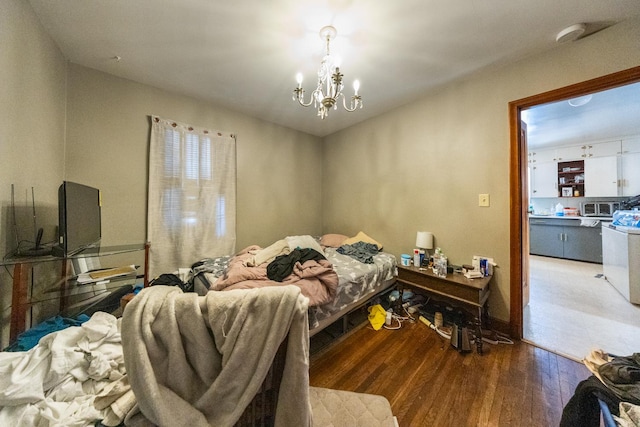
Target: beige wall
422,166
32,119
279,170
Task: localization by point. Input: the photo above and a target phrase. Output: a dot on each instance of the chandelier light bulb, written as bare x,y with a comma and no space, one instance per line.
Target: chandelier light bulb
356,86
299,79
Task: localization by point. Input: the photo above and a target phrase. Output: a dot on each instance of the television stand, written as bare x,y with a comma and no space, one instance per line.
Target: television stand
34,252
23,298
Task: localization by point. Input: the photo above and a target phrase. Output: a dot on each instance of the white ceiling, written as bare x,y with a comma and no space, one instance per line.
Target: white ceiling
613,113
244,54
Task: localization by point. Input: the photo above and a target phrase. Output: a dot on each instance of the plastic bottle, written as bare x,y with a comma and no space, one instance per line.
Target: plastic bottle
436,258
559,209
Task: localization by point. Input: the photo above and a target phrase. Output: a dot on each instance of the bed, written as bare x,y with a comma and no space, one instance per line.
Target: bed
358,282
77,375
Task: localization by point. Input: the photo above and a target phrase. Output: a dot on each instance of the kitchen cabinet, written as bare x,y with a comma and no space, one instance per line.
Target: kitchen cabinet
585,151
630,167
542,156
545,238
569,153
611,169
571,178
544,179
601,176
601,149
631,145
565,238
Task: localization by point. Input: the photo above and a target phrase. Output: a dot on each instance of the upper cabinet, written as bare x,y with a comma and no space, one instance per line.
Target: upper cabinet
542,156
631,145
576,152
601,176
611,169
543,179
601,149
630,167
565,154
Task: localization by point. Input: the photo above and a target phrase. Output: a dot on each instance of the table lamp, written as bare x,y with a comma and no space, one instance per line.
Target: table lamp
424,240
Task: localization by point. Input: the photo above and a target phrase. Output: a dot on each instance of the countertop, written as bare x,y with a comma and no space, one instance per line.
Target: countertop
601,218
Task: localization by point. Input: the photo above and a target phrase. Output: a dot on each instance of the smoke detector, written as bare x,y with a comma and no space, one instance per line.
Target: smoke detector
571,33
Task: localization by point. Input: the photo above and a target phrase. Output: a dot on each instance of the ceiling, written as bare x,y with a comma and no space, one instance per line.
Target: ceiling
244,55
609,114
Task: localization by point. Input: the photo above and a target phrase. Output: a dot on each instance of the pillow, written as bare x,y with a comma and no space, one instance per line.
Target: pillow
303,242
361,237
333,240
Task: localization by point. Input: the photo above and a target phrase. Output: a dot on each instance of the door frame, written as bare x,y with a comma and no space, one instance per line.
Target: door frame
518,191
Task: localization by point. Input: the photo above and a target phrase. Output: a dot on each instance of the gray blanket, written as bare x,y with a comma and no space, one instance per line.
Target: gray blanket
198,361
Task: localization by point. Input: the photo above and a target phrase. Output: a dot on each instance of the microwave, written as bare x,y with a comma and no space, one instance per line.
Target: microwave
599,208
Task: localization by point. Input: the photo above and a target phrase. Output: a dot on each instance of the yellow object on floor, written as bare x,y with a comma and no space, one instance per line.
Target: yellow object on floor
377,316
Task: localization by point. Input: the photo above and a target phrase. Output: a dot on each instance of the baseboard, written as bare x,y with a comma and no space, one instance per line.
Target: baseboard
500,326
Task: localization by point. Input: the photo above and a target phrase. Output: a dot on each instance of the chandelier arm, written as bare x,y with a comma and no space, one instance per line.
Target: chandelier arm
305,104
356,101
299,96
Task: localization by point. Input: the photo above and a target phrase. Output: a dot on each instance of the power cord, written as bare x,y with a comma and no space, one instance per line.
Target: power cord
497,338
399,319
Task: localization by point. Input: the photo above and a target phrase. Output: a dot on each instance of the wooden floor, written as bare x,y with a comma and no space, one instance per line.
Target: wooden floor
428,383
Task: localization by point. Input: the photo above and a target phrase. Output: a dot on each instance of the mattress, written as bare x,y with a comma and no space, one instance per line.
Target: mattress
358,283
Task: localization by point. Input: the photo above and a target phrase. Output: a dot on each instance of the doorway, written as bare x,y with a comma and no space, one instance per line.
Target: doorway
519,227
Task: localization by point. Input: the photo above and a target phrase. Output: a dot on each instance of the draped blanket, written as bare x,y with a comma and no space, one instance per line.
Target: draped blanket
198,361
316,278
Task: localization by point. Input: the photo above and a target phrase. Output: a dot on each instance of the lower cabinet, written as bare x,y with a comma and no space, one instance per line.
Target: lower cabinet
565,238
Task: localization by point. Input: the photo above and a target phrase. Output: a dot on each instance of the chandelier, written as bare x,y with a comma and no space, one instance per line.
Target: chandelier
329,89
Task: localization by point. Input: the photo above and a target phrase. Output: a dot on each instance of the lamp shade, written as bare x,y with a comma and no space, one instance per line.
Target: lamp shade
424,240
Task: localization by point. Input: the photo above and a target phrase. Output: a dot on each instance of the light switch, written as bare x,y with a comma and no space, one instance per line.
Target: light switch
483,200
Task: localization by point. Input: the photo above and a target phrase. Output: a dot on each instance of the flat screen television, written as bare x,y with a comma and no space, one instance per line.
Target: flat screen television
79,220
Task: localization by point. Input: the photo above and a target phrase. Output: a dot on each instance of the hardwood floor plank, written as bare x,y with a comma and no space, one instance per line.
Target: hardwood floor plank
490,390
500,385
541,365
429,383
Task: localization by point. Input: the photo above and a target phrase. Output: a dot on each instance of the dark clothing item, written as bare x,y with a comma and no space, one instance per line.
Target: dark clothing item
583,410
282,266
622,376
360,251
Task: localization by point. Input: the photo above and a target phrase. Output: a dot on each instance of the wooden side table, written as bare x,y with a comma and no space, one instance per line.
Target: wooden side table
470,293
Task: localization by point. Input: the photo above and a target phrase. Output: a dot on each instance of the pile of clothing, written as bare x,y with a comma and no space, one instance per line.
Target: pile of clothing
615,382
72,377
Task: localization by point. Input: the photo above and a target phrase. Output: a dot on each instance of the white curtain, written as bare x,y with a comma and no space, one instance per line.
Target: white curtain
192,195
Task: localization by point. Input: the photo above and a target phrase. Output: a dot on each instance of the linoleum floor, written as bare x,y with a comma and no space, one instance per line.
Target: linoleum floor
573,309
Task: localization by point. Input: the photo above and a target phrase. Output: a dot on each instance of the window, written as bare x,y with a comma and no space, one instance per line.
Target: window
192,189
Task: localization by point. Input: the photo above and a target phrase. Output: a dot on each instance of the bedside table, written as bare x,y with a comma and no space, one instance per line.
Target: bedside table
472,294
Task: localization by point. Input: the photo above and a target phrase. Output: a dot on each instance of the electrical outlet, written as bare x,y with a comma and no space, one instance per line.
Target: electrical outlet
483,200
